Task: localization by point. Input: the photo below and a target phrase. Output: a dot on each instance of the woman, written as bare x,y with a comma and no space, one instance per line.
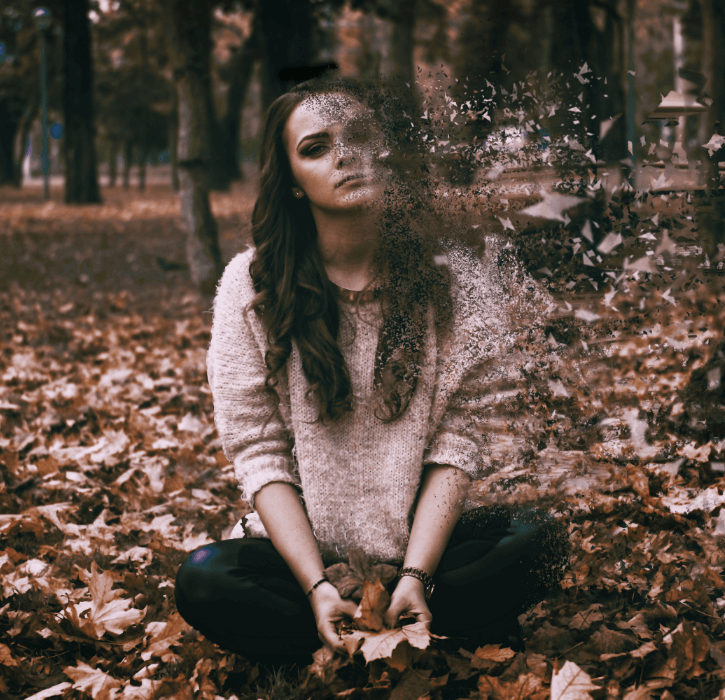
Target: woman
352,363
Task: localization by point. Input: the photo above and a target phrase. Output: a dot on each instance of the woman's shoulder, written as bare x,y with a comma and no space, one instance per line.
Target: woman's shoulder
236,282
493,288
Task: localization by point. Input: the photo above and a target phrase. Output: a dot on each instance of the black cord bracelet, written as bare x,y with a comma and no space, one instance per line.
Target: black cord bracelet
319,583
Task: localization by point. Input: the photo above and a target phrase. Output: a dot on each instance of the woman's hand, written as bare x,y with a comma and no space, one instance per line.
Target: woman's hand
408,599
329,608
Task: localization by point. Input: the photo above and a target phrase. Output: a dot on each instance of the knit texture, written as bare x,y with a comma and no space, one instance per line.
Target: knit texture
359,476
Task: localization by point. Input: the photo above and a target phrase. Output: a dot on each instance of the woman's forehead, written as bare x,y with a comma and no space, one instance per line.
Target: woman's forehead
322,112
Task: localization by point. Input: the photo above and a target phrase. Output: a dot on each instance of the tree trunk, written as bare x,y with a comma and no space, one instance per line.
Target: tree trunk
288,38
127,163
402,44
81,175
241,69
112,164
173,144
713,24
8,129
142,167
188,34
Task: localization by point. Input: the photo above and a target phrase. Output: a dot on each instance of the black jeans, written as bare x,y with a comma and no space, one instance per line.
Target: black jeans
499,562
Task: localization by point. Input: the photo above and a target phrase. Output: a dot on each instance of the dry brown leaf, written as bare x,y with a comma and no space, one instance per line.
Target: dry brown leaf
571,683
493,652
163,636
6,656
583,619
374,603
380,645
99,685
109,612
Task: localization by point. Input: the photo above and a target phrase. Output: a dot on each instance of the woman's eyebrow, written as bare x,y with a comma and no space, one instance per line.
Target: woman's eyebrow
312,136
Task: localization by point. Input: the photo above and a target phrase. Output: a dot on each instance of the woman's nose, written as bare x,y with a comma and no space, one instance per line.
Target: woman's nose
345,155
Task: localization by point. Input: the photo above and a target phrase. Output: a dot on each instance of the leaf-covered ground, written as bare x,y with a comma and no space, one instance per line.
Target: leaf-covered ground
112,472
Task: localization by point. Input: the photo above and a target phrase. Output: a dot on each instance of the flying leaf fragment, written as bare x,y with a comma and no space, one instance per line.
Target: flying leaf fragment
587,316
610,242
96,683
571,683
552,206
715,143
506,223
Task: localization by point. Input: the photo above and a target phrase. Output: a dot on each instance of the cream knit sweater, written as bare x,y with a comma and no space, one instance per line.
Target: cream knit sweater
359,476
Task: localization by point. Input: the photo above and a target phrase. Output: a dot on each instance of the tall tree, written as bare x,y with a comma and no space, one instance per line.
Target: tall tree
188,33
289,39
81,172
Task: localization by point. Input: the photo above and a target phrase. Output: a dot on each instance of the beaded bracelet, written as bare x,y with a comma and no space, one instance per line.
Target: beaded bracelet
319,583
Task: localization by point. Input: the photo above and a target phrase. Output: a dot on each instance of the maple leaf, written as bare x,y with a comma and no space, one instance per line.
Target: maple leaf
163,636
99,685
349,578
146,691
571,683
108,612
51,692
584,618
375,601
527,686
380,645
493,652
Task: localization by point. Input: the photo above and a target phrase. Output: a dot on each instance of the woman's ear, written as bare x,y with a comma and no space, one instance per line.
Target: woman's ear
297,193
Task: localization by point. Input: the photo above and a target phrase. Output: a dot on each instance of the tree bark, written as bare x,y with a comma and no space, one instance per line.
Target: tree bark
127,162
81,174
188,34
240,70
173,144
713,25
8,130
142,167
112,163
402,43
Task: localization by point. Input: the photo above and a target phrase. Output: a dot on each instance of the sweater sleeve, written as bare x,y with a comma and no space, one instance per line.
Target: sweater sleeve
253,434
483,422
477,430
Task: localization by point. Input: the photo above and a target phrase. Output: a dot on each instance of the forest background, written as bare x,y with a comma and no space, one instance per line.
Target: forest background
549,136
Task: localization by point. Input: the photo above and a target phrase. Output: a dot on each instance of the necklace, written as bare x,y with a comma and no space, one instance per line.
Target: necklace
353,296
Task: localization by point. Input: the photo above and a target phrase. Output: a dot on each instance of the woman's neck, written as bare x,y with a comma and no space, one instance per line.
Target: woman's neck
347,245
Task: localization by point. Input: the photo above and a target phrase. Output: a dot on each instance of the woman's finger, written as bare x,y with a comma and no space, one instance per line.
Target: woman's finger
392,615
330,637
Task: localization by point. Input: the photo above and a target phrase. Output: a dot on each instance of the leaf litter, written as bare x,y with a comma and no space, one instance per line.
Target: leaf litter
112,470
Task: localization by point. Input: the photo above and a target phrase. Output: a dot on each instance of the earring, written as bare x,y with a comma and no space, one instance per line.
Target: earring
298,193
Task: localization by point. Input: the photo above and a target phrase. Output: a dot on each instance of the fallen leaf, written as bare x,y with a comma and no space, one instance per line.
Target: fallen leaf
96,683
571,683
374,603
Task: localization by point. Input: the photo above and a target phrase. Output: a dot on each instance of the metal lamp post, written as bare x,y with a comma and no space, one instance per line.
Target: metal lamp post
42,19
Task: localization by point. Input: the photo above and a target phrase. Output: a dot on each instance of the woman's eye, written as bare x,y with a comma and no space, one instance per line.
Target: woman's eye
315,150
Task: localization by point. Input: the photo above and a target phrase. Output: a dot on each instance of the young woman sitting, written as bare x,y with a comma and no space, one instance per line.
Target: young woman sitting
356,361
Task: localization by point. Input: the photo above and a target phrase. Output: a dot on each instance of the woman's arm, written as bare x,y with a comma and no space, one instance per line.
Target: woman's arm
440,503
284,518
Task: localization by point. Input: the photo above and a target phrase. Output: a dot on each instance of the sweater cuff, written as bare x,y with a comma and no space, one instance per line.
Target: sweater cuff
253,474
455,451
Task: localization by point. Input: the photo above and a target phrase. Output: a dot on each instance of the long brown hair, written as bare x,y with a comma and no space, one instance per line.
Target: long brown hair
296,300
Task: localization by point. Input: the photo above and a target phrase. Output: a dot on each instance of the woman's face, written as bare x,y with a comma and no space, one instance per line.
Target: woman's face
333,143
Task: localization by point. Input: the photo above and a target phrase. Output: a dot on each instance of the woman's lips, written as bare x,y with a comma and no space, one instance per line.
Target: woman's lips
350,178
